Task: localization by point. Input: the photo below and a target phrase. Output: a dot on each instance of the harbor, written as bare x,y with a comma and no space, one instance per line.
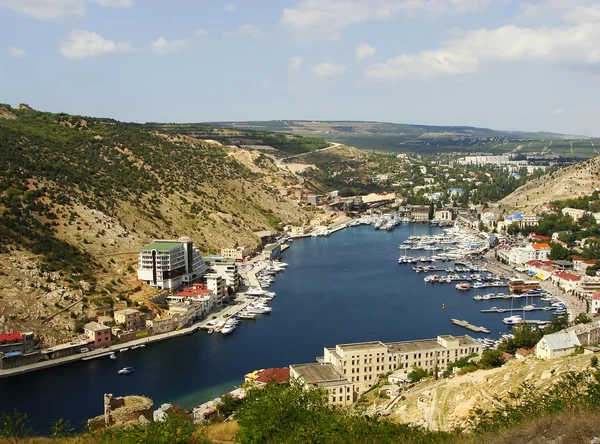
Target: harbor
469,326
322,278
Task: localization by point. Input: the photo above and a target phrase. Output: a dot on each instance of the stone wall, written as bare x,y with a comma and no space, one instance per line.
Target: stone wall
126,409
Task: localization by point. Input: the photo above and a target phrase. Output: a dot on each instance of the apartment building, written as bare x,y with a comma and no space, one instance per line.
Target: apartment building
130,318
522,255
237,253
433,354
575,213
327,377
227,268
363,363
217,284
169,264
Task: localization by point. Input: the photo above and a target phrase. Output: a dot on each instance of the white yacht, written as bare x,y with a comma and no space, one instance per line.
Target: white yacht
258,309
512,320
227,328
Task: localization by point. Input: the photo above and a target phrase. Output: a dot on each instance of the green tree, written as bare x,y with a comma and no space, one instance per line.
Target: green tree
14,426
582,318
174,429
491,359
559,252
228,405
417,374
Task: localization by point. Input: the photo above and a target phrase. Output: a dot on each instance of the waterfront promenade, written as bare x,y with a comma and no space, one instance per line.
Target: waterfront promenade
98,353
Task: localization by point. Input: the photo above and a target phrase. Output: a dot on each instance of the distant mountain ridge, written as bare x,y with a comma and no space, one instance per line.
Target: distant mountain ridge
375,127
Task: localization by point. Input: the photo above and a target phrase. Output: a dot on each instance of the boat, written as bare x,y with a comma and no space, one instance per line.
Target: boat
228,328
463,287
124,349
125,371
512,320
113,356
133,347
529,307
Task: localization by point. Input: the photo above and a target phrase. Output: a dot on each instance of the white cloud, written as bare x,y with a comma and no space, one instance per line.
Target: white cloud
201,32
229,7
45,9
248,30
557,112
570,11
15,52
164,46
364,51
296,63
332,15
569,46
328,70
115,3
81,44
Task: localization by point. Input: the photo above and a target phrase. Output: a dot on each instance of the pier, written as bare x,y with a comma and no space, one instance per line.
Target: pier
507,296
510,310
468,326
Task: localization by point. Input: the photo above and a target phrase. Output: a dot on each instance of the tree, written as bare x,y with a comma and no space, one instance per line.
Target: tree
228,405
582,318
174,429
559,252
61,429
431,211
14,426
491,359
417,374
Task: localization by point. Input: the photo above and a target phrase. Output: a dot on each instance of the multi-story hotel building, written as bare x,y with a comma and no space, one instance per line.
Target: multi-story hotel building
169,264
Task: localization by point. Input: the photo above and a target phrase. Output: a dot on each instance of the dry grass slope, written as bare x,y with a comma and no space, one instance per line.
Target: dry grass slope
573,181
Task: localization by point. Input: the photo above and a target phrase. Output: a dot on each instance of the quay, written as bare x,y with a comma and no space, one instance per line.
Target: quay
507,296
534,322
510,310
102,352
468,326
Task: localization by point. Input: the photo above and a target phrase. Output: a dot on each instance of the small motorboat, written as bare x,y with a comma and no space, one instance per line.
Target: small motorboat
125,371
124,349
113,356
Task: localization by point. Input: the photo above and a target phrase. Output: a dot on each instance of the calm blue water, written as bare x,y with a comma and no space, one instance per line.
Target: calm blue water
347,287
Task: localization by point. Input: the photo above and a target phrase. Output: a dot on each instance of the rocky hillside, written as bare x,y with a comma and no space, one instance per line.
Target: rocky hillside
79,196
448,403
573,181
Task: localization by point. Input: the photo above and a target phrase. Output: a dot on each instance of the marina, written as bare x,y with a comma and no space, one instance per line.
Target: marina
325,275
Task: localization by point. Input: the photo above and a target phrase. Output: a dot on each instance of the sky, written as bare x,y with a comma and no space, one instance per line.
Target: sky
529,65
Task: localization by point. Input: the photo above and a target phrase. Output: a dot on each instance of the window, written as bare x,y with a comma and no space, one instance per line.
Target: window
348,398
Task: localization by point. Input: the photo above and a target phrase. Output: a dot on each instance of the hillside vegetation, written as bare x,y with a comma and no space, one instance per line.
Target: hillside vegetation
75,190
567,183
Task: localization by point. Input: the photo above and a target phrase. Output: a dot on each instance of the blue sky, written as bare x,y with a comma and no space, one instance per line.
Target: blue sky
505,64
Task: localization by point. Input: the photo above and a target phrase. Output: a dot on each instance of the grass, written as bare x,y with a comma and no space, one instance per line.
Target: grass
222,431
571,427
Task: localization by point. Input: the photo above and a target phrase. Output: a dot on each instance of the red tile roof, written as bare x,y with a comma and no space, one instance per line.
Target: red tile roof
541,246
538,237
576,258
596,296
195,290
565,275
11,337
523,352
277,375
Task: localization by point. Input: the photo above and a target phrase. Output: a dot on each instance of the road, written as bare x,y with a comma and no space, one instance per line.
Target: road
279,162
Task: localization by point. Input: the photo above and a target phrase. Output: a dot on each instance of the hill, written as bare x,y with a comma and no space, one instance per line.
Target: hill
574,181
80,195
395,137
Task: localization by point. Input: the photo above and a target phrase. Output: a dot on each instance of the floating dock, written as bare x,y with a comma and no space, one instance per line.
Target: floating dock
471,327
532,322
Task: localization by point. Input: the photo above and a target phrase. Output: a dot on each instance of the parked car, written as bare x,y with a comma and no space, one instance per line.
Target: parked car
84,350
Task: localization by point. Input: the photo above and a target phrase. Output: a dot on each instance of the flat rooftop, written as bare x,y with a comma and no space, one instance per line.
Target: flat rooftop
317,373
361,345
160,245
414,346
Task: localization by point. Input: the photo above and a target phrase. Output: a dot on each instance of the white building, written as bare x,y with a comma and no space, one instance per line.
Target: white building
327,377
227,268
521,255
237,253
595,305
575,213
169,264
364,362
217,284
557,345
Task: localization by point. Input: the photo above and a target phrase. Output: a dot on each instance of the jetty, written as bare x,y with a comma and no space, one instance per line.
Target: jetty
503,310
468,326
505,296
